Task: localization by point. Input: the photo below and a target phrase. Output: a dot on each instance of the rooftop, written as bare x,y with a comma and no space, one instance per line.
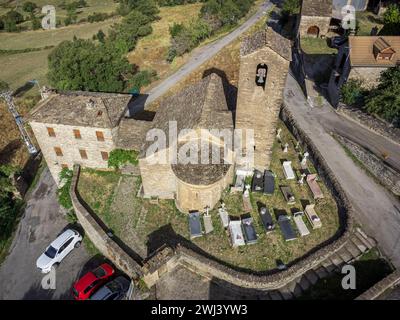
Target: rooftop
131,133
267,38
78,108
362,50
317,8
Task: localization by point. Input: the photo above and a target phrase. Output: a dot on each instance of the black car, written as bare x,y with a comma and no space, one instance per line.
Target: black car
113,290
266,219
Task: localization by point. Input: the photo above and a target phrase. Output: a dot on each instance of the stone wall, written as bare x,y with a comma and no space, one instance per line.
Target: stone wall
196,197
65,139
385,174
379,288
370,122
321,22
213,269
258,108
93,229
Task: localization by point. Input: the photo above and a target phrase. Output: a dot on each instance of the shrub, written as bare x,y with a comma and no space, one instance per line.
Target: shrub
119,157
64,198
142,79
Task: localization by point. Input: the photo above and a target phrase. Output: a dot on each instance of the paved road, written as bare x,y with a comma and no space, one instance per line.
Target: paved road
42,222
364,137
377,210
198,57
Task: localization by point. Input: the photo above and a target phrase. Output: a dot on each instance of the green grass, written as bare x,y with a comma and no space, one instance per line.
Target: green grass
316,46
161,222
101,6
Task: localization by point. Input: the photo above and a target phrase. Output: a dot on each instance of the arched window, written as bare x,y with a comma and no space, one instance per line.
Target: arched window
313,31
261,75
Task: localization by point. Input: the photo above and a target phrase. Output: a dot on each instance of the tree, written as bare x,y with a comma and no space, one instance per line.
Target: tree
352,93
384,100
101,36
119,157
391,20
147,7
4,86
291,7
29,6
82,65
36,24
11,19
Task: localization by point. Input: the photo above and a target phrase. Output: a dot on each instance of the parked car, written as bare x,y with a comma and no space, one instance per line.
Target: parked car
58,250
114,290
91,281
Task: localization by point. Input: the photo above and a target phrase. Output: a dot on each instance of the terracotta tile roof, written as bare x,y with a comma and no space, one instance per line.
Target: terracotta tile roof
267,38
362,50
317,8
78,108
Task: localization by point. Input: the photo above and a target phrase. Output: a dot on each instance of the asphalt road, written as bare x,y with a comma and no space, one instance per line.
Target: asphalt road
377,210
43,220
198,57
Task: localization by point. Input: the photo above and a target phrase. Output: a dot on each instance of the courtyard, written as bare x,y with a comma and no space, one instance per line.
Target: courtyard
144,225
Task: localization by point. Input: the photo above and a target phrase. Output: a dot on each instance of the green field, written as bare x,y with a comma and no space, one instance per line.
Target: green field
43,38
101,6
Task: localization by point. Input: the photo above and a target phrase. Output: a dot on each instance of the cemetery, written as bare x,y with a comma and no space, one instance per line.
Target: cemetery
251,228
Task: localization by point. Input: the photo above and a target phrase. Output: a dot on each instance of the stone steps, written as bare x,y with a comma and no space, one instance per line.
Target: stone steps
368,242
353,249
361,246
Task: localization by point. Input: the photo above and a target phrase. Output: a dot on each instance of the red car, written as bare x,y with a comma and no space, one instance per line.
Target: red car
91,281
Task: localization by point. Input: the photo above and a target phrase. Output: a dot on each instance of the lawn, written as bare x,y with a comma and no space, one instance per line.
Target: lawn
151,51
316,46
366,21
101,6
142,224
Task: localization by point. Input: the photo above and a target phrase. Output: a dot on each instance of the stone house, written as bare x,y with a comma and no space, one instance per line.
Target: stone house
264,65
77,127
315,18
194,185
363,58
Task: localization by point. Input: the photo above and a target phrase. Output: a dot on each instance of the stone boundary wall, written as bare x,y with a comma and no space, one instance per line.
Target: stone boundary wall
213,269
378,126
383,173
379,288
106,245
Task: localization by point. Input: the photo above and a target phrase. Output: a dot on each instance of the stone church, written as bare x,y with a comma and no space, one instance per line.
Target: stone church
83,127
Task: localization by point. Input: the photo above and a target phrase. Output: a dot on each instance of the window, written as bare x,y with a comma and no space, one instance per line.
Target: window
58,151
83,154
104,155
65,245
51,132
100,136
77,134
64,166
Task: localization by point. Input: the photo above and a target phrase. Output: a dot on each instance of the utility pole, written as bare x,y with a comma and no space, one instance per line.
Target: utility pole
7,96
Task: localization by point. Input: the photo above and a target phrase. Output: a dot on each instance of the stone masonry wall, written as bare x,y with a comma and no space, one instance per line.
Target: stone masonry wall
386,175
70,146
106,245
321,22
258,109
370,122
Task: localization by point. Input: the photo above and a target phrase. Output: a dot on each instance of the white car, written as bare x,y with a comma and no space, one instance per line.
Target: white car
58,250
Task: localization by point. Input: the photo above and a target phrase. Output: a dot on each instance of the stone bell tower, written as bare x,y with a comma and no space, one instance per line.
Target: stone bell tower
264,64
